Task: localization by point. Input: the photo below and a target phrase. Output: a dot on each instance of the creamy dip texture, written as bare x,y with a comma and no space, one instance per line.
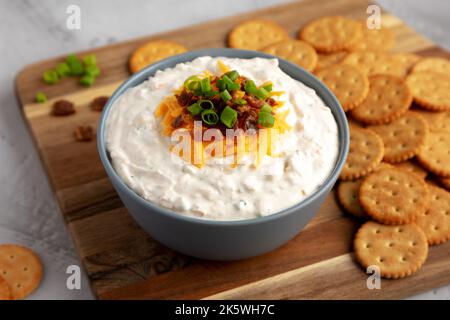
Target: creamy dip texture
140,153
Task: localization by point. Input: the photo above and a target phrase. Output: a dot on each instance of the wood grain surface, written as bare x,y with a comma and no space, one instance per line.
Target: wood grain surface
123,262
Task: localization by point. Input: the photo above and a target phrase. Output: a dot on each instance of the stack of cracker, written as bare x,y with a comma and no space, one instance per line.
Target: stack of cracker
398,107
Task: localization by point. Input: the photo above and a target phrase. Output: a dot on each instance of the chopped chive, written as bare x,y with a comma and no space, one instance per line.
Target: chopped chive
206,104
92,71
250,87
191,83
228,117
90,60
40,97
63,69
50,77
205,85
268,87
240,102
221,85
261,93
210,117
266,108
265,119
233,86
194,109
227,80
211,93
87,80
225,95
233,75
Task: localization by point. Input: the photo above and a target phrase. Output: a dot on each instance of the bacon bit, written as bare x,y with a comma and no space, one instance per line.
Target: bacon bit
99,103
177,122
272,102
254,102
63,108
185,98
84,133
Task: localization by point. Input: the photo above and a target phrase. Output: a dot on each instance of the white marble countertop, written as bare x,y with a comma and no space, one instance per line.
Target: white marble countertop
34,30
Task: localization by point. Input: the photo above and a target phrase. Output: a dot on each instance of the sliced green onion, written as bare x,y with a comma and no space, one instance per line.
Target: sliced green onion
268,87
225,95
191,83
63,69
87,80
265,119
41,97
240,101
210,117
233,75
92,71
75,65
206,104
195,109
221,85
90,60
266,108
227,80
233,86
211,93
250,87
205,85
261,93
228,117
50,77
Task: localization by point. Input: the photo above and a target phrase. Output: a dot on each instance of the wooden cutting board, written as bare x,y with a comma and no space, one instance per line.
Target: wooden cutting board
122,262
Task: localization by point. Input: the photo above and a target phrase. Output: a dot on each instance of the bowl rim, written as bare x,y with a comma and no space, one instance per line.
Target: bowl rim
318,86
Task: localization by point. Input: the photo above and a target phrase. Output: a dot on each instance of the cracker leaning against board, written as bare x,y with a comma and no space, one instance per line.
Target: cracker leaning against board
398,108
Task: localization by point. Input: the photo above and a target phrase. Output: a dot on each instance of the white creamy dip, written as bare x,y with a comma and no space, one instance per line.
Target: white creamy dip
141,157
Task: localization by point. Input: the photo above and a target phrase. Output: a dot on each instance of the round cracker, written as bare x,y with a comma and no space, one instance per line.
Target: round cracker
443,123
347,193
5,293
435,222
330,34
433,64
326,60
349,84
393,196
256,34
374,40
403,138
375,62
412,166
404,63
21,269
435,154
153,51
389,98
432,118
296,51
431,90
398,251
365,154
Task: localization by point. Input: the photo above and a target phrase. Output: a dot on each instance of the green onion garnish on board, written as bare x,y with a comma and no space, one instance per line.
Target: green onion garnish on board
225,95
90,60
210,117
87,80
228,117
50,77
63,69
40,97
75,65
265,119
195,109
92,71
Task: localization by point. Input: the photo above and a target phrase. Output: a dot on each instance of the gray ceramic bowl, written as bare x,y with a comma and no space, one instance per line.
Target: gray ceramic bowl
224,240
